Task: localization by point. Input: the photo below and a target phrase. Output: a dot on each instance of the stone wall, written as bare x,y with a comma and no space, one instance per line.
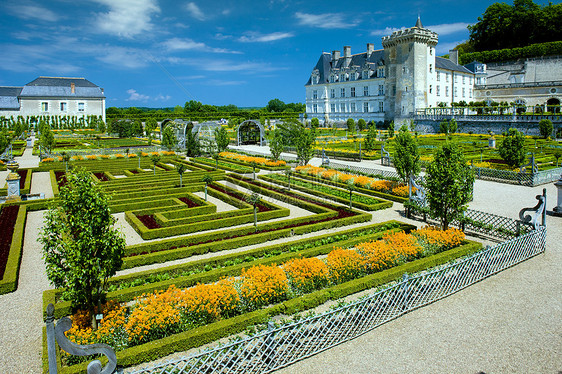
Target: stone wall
482,127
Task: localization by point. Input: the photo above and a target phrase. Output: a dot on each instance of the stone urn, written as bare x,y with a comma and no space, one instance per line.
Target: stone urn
13,181
492,142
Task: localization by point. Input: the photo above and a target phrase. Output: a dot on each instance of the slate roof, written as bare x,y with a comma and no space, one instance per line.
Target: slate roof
61,87
445,63
9,98
325,63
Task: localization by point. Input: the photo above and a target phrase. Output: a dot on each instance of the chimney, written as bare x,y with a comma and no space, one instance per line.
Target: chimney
454,56
347,55
335,55
72,88
370,49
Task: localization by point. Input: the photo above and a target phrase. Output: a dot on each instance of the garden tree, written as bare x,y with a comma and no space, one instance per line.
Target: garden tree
350,187
123,128
254,199
453,126
101,126
47,139
449,183
4,139
371,139
254,165
557,154
181,168
216,157
304,144
169,140
275,105
192,145
314,123
18,130
444,127
290,130
192,106
545,128
350,125
65,158
518,25
391,129
361,124
512,148
139,156
276,146
155,158
207,179
221,139
149,126
81,247
136,128
406,156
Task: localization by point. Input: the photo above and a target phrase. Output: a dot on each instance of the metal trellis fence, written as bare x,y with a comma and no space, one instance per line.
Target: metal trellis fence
279,347
365,171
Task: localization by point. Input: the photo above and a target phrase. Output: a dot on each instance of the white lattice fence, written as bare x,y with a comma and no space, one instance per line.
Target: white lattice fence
282,346
366,171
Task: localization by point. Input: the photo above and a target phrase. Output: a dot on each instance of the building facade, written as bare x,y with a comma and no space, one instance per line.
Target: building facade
405,77
53,96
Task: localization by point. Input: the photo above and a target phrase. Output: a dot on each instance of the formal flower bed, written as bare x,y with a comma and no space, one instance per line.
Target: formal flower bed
390,187
8,216
162,313
250,159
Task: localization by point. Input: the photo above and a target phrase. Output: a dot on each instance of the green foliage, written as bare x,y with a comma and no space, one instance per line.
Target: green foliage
314,123
192,144
518,25
123,128
150,126
448,127
155,159
101,127
350,124
371,138
136,128
221,139
4,139
81,248
361,124
169,138
47,139
391,129
512,148
406,156
533,50
181,168
276,145
304,144
449,183
545,128
278,106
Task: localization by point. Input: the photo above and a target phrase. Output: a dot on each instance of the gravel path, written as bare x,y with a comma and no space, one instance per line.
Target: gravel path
41,182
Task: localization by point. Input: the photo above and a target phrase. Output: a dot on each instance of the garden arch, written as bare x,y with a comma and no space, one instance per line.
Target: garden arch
553,105
250,132
180,129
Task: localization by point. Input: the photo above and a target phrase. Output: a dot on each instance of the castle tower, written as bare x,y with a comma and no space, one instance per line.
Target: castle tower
410,75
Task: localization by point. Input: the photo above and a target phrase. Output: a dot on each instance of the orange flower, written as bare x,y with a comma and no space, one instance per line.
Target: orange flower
344,265
307,274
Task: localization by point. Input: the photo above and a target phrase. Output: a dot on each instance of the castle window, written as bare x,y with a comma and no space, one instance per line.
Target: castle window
430,51
365,107
63,107
365,74
342,92
455,92
332,93
381,89
438,76
342,107
437,90
315,108
447,91
352,107
342,77
463,78
447,77
393,90
315,94
333,108
470,92
430,88
430,68
332,78
81,107
381,73
381,106
352,76
403,69
365,90
44,106
352,91
463,92
456,77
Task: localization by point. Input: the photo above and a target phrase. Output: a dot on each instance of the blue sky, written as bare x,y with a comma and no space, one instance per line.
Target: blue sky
161,53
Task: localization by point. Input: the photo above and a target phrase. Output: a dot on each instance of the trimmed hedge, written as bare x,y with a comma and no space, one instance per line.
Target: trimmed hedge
381,204
54,184
214,331
236,168
9,281
533,50
258,166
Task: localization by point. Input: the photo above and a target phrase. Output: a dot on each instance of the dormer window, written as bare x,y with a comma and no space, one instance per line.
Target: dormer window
365,74
342,77
332,78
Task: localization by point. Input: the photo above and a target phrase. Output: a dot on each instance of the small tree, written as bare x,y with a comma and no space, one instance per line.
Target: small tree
81,247
101,127
216,156
557,154
149,126
512,148
222,139
47,139
406,156
276,145
371,139
181,168
169,138
4,139
545,128
207,179
351,125
449,183
361,124
304,145
453,126
350,187
65,158
155,159
314,123
254,199
444,127
391,129
192,144
139,156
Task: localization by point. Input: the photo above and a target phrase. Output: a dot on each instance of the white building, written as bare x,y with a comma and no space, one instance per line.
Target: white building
53,96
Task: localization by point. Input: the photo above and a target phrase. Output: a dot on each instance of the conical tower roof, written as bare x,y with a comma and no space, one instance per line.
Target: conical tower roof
418,23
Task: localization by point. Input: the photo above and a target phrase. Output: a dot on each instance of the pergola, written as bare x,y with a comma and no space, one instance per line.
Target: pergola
250,132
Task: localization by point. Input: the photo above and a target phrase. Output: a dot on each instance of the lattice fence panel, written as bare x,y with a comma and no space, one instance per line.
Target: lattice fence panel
282,346
366,171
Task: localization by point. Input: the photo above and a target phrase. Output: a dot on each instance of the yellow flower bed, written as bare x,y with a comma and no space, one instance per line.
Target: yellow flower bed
154,316
48,159
250,159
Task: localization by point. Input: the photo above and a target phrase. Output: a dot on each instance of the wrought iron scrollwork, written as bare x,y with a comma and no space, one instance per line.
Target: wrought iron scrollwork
532,164
538,211
58,331
419,198
385,156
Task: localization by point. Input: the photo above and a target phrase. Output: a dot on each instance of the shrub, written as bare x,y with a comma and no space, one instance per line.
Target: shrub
306,274
344,265
263,285
545,128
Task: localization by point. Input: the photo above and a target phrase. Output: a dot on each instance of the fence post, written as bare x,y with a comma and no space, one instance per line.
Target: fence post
405,291
544,210
518,228
269,350
51,343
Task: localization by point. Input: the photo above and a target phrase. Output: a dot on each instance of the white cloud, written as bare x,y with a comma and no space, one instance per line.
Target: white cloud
386,31
30,10
186,44
252,37
217,82
161,97
217,65
129,58
444,48
326,20
449,28
135,96
195,11
127,18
